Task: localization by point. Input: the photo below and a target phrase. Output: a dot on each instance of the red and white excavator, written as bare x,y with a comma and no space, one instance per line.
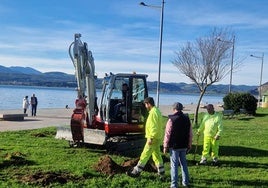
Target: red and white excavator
115,120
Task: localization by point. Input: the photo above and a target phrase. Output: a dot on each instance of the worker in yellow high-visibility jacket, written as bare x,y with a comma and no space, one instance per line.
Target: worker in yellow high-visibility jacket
211,126
154,133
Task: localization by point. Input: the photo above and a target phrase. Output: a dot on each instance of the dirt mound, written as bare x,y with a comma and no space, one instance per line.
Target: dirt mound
47,178
107,166
130,163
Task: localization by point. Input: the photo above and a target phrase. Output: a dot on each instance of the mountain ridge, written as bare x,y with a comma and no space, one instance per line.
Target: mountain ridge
28,76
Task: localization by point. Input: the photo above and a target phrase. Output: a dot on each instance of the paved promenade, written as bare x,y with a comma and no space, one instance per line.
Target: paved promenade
43,118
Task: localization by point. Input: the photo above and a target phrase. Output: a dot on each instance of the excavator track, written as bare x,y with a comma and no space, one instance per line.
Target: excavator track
129,145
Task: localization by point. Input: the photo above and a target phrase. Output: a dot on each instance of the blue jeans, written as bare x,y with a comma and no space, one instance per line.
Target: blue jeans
34,106
178,157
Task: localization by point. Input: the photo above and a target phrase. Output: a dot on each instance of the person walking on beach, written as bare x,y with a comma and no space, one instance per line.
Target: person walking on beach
178,140
25,104
153,134
211,126
34,103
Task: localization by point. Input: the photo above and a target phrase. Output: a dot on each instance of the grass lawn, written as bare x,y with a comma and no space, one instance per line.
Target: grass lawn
36,159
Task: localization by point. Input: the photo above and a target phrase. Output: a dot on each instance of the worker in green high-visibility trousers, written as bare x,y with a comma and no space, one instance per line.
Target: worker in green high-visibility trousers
154,132
211,126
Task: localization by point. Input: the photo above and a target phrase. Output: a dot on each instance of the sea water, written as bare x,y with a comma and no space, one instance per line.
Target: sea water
51,97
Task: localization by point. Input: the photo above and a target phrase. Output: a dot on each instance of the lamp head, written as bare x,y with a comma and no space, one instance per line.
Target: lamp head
218,38
142,4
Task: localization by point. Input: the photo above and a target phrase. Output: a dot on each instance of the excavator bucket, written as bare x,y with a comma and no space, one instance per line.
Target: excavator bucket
64,133
90,136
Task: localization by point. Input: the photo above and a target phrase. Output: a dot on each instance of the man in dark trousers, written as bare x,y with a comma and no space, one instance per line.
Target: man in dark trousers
178,140
34,103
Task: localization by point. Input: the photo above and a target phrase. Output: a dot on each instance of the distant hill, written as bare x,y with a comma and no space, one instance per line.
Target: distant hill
25,70
192,88
31,77
28,76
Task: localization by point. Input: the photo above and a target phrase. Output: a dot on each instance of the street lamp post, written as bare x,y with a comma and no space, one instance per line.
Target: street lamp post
232,61
160,47
260,90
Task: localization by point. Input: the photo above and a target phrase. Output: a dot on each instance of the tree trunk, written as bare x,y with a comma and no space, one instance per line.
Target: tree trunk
197,107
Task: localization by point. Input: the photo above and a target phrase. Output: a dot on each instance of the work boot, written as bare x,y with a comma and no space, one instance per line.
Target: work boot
135,172
203,161
215,161
161,170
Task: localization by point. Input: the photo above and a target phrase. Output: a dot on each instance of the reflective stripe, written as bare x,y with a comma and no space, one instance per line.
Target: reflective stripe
138,168
161,169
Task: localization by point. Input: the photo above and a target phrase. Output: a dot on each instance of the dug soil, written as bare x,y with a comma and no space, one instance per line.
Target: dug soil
109,167
105,165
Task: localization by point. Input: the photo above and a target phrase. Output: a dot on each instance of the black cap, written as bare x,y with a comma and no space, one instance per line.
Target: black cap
177,106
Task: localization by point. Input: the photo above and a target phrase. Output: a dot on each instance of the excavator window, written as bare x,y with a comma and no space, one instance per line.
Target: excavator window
138,112
119,99
123,99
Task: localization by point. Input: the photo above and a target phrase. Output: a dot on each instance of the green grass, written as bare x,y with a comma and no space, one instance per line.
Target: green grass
36,159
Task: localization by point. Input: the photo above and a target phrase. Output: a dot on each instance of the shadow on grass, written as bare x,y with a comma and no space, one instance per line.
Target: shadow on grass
7,164
261,115
235,151
246,118
15,159
230,182
242,151
103,150
243,164
223,164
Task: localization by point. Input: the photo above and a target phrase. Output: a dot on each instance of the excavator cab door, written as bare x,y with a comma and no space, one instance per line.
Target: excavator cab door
122,99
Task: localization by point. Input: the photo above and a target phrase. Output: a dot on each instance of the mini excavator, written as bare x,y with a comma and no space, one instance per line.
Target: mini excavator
117,118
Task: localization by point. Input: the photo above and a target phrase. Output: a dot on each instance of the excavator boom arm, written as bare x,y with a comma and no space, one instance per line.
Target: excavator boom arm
83,62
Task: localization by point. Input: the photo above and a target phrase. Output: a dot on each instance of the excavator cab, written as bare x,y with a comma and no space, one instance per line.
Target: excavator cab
121,104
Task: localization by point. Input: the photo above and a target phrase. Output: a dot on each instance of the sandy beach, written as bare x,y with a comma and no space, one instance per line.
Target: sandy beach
189,108
61,116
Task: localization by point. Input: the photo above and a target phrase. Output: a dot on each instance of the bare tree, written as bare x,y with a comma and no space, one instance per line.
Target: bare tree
206,61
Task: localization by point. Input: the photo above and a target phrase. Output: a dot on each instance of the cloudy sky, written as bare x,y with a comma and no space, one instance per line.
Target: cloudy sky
124,36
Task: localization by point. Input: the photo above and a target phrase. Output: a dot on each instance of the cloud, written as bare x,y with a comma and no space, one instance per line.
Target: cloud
125,36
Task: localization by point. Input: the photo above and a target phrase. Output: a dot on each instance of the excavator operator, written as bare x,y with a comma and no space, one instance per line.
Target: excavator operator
123,101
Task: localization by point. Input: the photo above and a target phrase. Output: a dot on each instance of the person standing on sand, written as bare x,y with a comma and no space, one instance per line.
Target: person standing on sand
34,103
25,104
154,135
